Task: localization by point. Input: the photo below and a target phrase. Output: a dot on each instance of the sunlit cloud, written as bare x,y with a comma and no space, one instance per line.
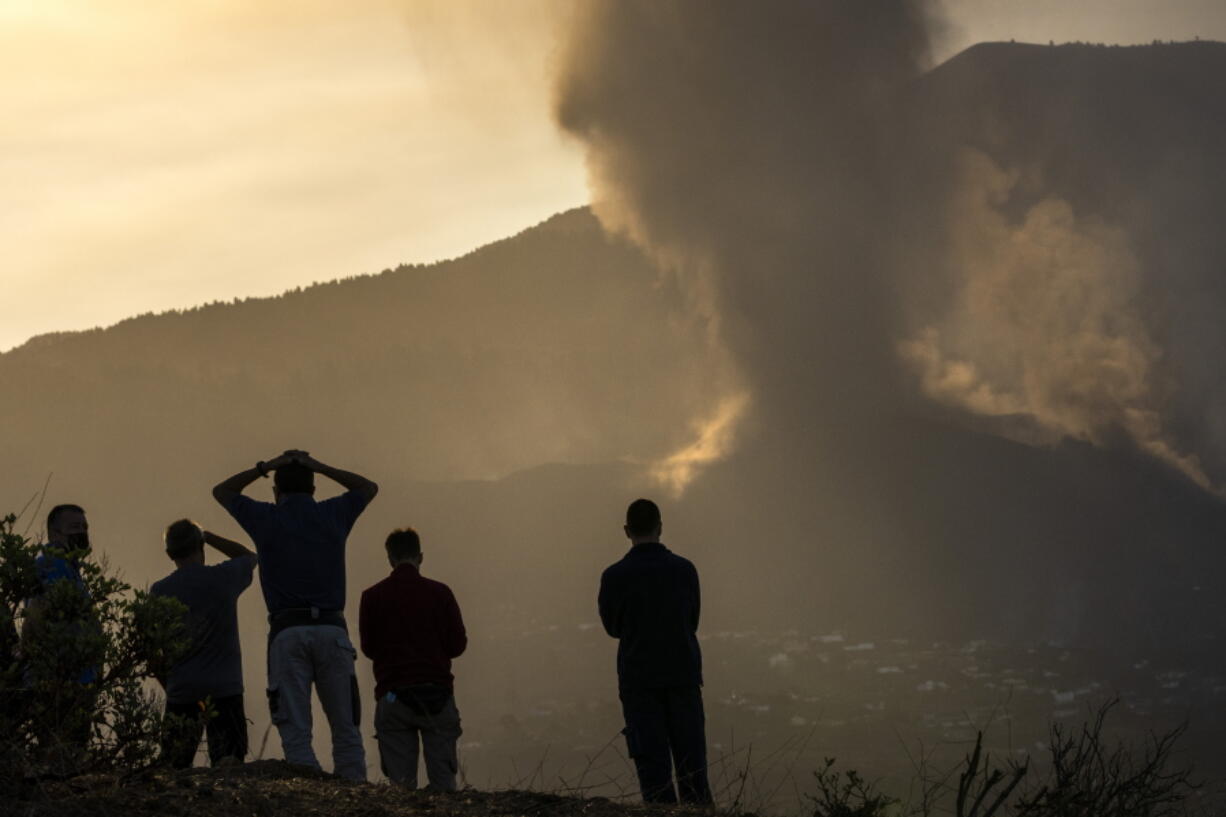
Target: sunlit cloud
159,156
714,440
1045,323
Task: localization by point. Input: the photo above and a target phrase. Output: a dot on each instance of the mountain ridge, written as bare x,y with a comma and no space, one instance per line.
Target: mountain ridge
566,219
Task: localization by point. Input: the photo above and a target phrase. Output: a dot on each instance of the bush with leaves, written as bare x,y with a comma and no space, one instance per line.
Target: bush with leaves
75,668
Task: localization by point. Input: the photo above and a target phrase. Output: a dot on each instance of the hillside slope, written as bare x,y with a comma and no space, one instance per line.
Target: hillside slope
525,351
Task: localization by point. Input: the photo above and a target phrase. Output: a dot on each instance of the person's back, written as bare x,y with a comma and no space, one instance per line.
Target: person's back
650,602
301,546
411,628
213,665
209,678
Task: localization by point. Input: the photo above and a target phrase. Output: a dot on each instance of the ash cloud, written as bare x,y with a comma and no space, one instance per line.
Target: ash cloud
1043,322
743,146
854,249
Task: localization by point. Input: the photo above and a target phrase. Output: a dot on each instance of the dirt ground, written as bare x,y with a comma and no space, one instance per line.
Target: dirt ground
272,788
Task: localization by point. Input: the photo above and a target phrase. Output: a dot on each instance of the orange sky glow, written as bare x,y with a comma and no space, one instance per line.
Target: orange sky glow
157,156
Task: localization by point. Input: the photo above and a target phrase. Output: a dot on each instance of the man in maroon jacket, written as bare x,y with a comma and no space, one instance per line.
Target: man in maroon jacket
411,628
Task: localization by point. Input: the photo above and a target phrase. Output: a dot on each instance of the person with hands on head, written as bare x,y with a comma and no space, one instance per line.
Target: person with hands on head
205,688
301,547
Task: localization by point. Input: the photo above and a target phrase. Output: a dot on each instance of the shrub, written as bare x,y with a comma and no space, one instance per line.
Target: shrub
1085,776
74,689
1089,778
847,794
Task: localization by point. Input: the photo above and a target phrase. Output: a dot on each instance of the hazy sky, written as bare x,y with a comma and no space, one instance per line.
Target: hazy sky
159,155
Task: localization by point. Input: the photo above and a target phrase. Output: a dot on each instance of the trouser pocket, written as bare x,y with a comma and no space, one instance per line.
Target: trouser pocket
355,698
276,710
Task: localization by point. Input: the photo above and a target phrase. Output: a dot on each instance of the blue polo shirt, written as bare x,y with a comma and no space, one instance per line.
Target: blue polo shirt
301,547
53,567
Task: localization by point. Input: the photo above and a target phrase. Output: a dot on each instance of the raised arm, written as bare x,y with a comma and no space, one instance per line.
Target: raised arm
228,547
227,489
347,479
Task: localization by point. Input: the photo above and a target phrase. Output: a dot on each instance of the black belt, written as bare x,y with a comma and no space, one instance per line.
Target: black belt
304,617
423,699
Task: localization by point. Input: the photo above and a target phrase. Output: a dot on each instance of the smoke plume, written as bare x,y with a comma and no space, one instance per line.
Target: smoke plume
743,146
866,252
1044,322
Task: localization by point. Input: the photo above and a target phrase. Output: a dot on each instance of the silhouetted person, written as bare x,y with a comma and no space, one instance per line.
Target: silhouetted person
649,601
204,690
62,675
411,629
60,560
301,546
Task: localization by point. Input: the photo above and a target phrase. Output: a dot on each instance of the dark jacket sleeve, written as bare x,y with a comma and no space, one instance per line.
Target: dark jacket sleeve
609,604
697,599
455,638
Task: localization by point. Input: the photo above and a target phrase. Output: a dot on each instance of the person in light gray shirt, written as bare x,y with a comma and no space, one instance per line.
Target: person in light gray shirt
204,690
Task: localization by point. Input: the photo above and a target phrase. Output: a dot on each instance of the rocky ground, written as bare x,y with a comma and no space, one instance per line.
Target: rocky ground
272,788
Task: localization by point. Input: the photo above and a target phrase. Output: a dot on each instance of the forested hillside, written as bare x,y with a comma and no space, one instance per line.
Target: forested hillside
557,345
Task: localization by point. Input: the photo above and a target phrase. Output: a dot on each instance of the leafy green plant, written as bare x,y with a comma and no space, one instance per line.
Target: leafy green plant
75,695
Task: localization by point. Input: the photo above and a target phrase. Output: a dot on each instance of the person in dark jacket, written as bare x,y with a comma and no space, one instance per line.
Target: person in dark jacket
411,628
649,601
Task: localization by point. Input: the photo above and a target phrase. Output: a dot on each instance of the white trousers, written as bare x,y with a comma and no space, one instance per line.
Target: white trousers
324,656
